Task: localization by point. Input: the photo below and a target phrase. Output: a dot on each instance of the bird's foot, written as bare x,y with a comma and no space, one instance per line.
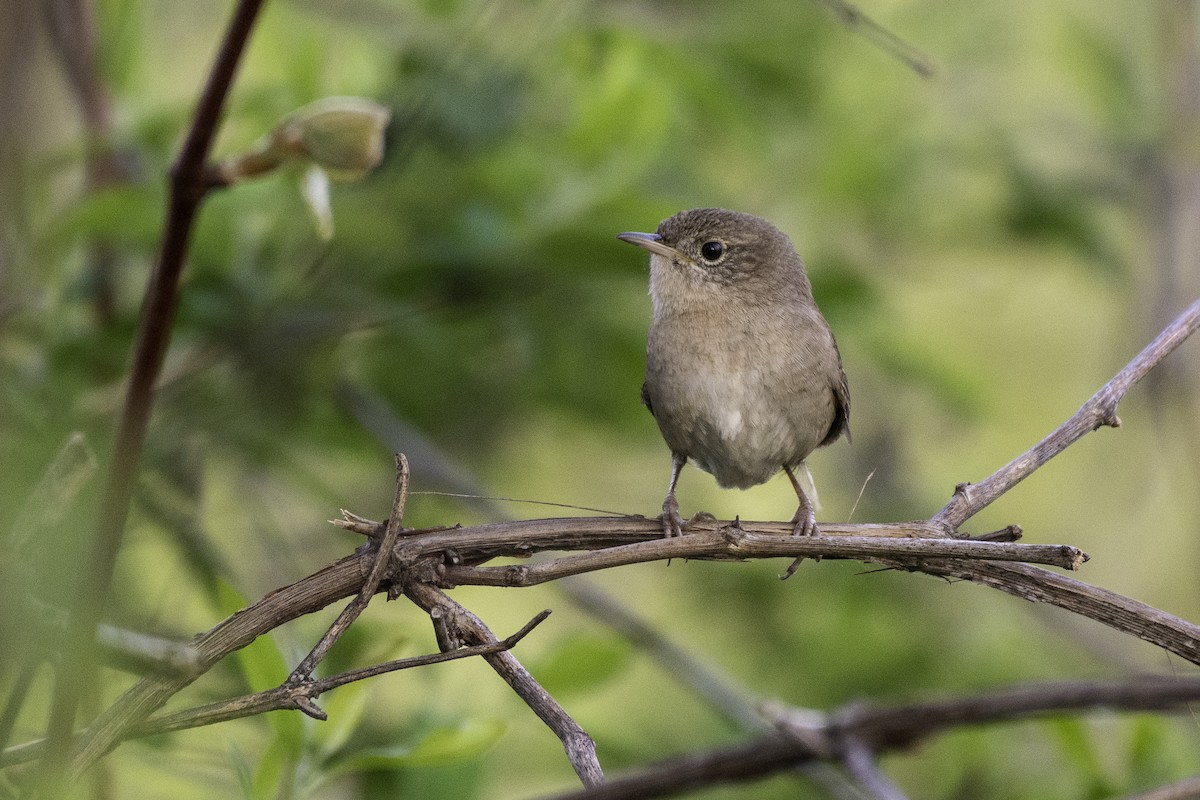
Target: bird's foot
805,521
803,524
672,523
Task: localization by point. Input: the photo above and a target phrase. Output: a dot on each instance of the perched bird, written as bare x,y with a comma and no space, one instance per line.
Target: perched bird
743,375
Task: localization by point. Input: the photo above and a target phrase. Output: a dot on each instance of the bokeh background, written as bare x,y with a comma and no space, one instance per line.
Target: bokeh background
990,246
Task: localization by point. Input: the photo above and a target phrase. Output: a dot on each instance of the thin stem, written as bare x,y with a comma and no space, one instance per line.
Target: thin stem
580,749
283,696
871,730
379,565
1098,411
287,696
188,187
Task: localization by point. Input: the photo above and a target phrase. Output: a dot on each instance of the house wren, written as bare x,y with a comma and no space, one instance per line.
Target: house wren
743,375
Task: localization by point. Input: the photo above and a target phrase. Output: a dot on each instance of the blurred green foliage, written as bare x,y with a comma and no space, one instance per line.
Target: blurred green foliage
986,244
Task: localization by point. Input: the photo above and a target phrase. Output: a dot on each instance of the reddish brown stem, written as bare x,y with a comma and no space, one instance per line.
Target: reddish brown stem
188,187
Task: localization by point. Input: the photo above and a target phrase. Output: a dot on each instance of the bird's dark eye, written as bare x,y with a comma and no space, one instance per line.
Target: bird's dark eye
712,251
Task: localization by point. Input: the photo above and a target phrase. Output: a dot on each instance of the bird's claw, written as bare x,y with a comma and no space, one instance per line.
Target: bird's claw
672,523
805,521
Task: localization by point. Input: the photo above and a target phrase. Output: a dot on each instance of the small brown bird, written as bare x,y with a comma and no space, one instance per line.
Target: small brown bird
743,375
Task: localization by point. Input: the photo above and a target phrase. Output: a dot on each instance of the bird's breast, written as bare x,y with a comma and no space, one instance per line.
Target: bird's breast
735,395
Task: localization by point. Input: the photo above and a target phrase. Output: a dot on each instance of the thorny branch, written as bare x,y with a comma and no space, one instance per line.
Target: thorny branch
442,557
870,729
421,564
286,696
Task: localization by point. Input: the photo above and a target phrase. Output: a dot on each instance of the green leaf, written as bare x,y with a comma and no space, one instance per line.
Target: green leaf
583,662
241,768
275,766
263,667
442,745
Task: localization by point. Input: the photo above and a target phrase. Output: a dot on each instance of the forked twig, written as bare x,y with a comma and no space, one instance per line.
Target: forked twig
379,566
580,749
868,730
286,696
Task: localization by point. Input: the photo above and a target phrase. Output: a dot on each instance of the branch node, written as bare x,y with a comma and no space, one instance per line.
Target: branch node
447,641
1010,533
1076,557
310,708
360,525
733,534
807,727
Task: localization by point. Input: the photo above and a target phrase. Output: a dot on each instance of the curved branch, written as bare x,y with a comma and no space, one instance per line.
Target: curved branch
581,750
1043,586
1100,410
802,740
634,539
286,696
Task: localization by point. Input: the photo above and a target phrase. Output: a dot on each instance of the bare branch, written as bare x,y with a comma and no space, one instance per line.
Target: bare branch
422,560
580,749
1186,789
860,762
802,740
379,565
1100,410
854,19
286,696
1102,605
744,762
736,542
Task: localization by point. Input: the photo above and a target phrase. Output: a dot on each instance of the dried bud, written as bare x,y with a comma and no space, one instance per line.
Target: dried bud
341,135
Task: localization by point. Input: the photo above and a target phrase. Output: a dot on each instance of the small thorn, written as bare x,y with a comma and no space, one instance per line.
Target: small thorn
310,708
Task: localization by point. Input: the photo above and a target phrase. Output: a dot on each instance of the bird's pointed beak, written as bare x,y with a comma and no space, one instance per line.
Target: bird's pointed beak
649,241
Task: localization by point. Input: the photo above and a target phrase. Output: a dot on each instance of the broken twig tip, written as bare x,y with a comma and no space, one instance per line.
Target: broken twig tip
310,708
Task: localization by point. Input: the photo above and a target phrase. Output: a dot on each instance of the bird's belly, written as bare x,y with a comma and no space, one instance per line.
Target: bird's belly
741,429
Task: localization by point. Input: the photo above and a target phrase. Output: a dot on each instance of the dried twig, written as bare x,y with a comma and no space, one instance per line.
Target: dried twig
1121,613
287,696
875,730
861,763
580,749
1186,789
1100,410
379,565
881,37
424,560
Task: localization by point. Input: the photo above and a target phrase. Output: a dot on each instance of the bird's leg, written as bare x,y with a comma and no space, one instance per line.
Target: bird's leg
805,520
671,521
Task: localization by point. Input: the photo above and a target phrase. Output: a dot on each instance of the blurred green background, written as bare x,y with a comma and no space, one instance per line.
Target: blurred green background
990,246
